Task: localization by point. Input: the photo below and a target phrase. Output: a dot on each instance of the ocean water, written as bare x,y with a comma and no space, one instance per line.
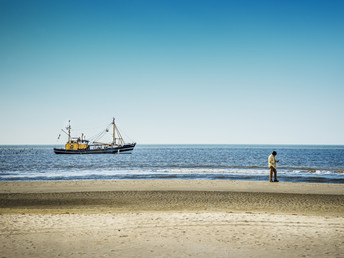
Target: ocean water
321,164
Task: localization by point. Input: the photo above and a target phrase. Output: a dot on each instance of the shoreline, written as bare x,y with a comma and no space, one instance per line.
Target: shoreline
169,185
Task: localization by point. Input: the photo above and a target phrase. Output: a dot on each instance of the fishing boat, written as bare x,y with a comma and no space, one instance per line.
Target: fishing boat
79,145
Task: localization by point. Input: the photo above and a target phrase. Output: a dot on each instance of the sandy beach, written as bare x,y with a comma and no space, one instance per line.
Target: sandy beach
171,218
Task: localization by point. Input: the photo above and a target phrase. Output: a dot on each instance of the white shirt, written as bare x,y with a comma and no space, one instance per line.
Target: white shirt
272,161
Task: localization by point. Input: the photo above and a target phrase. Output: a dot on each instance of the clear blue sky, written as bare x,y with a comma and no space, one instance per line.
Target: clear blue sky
181,71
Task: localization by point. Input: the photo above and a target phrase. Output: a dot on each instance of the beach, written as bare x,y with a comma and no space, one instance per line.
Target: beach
171,218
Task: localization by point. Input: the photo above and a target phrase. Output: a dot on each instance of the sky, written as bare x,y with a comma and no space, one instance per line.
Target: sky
173,72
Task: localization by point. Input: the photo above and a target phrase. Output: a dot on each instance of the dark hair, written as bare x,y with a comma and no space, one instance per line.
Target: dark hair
274,153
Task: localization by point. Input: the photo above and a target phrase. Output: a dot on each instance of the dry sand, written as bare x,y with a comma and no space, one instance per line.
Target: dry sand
171,218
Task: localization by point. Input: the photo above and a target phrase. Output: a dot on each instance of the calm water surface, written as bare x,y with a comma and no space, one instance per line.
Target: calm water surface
323,164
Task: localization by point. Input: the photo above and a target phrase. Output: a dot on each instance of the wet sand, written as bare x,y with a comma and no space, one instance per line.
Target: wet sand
171,218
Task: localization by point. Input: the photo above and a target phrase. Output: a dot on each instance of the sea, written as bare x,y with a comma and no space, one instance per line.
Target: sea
298,163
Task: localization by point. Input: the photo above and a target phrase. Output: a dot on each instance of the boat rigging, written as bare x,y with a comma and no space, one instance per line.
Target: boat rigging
79,145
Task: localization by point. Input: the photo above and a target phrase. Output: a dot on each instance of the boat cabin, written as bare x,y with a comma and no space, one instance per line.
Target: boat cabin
77,144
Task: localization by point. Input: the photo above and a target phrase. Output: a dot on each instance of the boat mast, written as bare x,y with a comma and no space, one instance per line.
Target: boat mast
69,128
114,130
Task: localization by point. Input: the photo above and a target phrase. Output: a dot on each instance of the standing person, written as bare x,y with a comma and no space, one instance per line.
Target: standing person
272,165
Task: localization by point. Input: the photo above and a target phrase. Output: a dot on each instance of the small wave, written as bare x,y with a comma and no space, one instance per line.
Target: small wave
299,168
168,176
220,177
